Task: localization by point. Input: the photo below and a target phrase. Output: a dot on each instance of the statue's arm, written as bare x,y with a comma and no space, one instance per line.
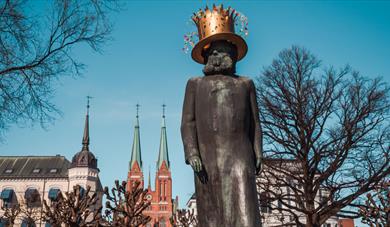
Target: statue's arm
188,124
257,134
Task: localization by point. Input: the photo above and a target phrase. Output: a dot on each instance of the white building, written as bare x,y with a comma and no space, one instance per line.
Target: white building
191,205
270,210
32,179
271,217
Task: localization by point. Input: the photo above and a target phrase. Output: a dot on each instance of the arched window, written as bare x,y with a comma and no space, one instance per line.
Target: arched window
32,197
53,194
8,197
82,190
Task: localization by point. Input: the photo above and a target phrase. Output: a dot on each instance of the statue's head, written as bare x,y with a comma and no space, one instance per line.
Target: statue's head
220,58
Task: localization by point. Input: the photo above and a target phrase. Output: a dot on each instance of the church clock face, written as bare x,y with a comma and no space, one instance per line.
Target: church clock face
149,197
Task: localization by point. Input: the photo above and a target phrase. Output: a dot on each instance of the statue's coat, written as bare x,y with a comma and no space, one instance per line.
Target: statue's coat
220,125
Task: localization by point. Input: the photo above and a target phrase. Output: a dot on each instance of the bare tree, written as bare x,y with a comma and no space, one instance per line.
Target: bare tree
333,126
10,213
29,215
77,208
184,218
376,211
125,207
37,49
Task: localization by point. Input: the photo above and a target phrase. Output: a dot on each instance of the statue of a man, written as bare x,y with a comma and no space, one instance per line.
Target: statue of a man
222,139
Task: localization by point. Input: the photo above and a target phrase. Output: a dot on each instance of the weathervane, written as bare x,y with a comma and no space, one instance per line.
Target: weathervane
88,98
137,108
163,106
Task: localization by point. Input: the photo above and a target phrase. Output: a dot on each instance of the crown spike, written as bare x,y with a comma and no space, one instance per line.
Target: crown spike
206,11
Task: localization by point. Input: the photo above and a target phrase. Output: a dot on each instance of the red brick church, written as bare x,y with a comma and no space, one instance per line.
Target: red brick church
162,204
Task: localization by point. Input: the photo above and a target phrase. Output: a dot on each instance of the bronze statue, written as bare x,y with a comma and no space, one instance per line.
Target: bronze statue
221,129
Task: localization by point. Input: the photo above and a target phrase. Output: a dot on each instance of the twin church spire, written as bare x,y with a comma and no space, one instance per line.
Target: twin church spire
163,156
163,151
136,149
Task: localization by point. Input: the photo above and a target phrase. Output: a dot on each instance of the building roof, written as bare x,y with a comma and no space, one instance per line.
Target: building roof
85,158
136,149
33,167
163,152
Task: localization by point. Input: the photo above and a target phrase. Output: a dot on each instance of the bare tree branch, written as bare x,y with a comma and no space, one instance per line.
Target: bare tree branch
332,127
37,50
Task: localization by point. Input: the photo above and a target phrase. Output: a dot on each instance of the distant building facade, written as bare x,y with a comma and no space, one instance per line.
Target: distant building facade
162,204
28,180
346,223
272,217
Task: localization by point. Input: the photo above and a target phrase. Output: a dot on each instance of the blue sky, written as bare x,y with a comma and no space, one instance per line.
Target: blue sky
144,64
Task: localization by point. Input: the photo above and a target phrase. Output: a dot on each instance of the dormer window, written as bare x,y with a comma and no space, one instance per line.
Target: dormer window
53,170
8,171
36,170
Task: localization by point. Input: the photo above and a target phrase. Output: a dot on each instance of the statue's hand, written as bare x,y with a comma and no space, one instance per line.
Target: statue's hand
195,163
258,165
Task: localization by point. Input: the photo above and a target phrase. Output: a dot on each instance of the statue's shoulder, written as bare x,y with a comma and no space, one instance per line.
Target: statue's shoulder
245,79
194,80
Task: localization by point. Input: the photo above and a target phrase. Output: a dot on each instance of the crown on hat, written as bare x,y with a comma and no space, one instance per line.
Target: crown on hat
217,24
214,21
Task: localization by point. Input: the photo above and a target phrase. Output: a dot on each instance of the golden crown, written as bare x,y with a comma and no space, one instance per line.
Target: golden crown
214,24
216,20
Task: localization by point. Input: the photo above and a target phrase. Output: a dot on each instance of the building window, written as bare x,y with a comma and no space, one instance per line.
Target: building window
53,170
165,190
279,204
54,193
288,196
32,197
28,223
8,171
162,223
265,203
36,170
82,190
47,224
7,196
4,222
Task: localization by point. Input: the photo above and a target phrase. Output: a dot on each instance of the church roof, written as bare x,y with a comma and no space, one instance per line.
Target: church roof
163,151
33,167
136,149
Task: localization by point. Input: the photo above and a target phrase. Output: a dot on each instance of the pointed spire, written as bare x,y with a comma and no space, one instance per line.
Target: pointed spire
136,149
163,152
85,158
149,185
85,141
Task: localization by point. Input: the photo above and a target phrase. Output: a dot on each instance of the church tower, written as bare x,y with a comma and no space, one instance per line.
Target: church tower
135,173
83,170
163,178
161,204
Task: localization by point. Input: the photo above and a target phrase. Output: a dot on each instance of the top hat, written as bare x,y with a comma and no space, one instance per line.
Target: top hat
216,24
